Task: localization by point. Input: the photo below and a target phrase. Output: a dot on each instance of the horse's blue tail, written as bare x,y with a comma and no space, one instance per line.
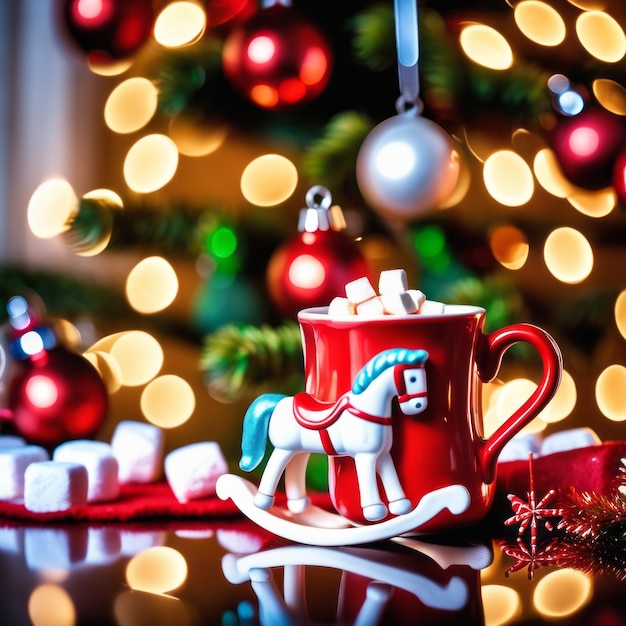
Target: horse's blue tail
255,426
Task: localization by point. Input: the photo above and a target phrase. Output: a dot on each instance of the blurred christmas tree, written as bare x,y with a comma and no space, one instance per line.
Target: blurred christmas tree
224,113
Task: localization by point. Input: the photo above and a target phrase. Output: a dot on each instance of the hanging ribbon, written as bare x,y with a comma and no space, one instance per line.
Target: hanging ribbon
407,44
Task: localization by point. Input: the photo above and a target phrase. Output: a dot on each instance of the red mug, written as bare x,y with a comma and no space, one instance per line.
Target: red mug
444,444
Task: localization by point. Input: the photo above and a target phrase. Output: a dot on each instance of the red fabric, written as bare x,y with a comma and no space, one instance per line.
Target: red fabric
135,503
594,468
142,503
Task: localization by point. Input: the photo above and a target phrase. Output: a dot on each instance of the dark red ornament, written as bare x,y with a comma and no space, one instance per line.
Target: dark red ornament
313,267
54,394
219,12
587,145
277,58
108,30
619,177
57,397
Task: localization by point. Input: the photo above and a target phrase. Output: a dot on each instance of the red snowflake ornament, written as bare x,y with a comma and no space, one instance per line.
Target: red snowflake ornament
527,514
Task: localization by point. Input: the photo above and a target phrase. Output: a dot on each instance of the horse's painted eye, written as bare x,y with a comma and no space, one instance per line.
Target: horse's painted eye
418,405
413,379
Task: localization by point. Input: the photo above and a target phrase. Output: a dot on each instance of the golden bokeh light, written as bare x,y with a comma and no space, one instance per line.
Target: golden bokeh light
611,392
562,593
540,22
159,569
150,163
108,68
593,203
508,178
105,343
549,174
269,180
108,368
51,605
168,401
610,94
563,401
197,139
511,397
620,313
568,255
509,246
486,46
589,5
491,421
152,285
133,608
131,105
50,207
139,355
601,35
501,604
179,24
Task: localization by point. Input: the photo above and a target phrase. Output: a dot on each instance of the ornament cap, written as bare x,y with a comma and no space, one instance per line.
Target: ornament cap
320,213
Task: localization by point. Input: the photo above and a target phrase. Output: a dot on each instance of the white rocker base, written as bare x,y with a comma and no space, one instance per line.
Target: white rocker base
317,527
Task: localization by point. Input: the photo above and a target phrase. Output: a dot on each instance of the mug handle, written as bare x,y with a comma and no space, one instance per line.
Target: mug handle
488,360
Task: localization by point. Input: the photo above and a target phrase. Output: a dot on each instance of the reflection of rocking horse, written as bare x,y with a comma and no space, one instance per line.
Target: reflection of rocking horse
357,425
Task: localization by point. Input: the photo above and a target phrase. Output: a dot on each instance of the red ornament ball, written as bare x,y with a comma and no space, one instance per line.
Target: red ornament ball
619,177
312,268
108,30
219,12
587,145
277,59
57,396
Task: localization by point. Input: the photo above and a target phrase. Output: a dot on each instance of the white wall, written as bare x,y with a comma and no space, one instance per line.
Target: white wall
49,102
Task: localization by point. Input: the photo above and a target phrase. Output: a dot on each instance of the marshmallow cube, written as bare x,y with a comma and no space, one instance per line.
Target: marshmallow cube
54,486
570,439
138,448
430,307
11,441
193,470
371,307
418,297
13,464
101,465
341,307
360,290
398,303
520,447
392,281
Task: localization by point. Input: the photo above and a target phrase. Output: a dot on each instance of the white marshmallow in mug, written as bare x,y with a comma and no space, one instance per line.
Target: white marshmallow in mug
392,281
360,290
101,465
370,308
431,307
400,303
13,464
138,448
193,470
341,307
51,486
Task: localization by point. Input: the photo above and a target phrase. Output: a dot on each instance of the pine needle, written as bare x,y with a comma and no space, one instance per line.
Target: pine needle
240,359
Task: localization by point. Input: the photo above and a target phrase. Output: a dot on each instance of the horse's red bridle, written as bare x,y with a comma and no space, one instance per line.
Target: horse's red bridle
398,378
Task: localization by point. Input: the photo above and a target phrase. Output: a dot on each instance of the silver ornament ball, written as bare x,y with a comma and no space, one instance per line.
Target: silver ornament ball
407,166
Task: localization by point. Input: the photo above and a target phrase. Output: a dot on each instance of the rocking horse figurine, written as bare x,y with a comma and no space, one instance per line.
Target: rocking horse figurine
357,425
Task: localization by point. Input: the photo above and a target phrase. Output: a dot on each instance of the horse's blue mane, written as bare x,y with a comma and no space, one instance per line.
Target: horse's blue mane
382,361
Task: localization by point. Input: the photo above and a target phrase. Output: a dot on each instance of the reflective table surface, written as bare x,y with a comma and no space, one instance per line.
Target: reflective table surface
230,572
